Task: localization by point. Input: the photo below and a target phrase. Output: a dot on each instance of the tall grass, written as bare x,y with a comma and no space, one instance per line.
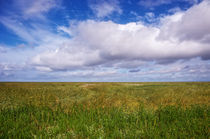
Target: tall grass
80,122
104,110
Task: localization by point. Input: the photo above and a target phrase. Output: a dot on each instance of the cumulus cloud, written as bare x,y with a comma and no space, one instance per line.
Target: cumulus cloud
67,57
101,42
185,26
105,8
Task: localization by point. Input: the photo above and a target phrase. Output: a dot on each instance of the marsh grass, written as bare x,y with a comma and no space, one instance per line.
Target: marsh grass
104,110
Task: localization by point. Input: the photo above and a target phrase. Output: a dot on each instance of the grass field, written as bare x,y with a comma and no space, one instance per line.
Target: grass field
105,110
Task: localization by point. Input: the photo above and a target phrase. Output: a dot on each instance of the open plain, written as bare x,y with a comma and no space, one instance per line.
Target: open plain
104,110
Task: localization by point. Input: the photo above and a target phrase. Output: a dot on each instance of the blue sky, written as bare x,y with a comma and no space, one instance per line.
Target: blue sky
104,40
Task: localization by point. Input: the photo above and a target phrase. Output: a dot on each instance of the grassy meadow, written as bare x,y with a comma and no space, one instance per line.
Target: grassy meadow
105,110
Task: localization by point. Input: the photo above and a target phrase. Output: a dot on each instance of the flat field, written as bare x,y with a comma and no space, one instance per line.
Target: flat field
105,110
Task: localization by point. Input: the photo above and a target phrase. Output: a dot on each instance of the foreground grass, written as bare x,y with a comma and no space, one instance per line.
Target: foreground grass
104,110
80,122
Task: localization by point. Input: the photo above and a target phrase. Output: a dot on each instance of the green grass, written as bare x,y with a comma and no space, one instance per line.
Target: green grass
104,110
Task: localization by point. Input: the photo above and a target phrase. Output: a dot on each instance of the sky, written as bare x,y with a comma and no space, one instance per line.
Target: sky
105,40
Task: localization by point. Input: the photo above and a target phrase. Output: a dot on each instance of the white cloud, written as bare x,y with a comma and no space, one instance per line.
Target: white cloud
32,34
44,69
174,10
194,24
105,8
35,8
150,17
3,49
28,20
67,57
100,43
